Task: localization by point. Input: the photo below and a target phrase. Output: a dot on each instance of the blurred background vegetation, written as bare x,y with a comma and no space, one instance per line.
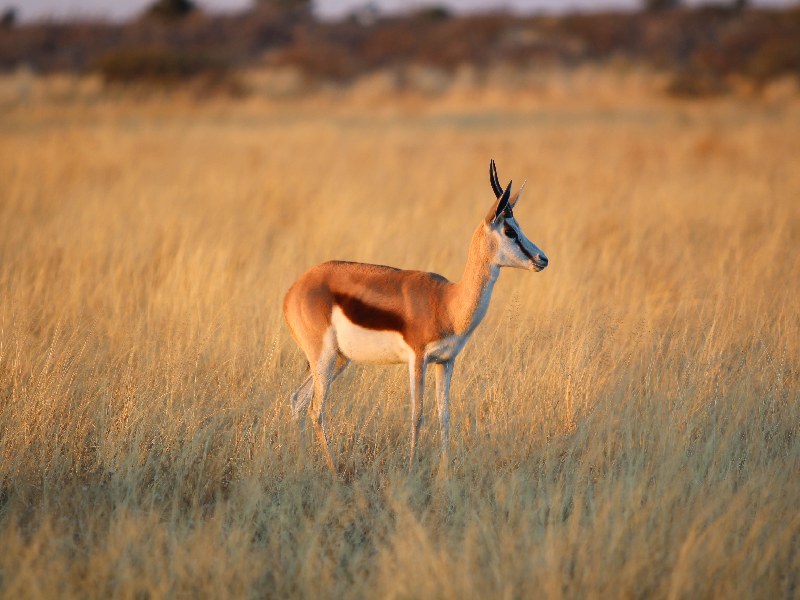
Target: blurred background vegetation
704,50
626,424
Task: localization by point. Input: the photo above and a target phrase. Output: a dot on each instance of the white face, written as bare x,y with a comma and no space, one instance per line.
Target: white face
514,249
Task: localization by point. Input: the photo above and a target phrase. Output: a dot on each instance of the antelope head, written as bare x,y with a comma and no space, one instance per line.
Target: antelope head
509,246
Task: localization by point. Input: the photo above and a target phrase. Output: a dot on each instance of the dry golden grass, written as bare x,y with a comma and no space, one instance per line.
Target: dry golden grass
626,424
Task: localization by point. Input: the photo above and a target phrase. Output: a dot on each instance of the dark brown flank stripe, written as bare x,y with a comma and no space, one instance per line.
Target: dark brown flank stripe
367,316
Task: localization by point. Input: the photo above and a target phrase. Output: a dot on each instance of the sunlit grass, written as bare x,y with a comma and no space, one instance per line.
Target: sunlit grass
625,424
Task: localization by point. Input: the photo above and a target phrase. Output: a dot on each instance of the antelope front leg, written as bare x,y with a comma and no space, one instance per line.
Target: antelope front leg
444,372
416,368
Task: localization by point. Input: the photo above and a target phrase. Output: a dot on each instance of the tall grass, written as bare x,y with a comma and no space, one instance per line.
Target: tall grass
625,424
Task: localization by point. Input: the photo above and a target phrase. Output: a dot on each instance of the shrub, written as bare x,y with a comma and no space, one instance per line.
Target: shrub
777,57
9,18
170,9
159,66
692,83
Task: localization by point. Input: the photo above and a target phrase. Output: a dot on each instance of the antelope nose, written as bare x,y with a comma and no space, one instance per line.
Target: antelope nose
541,259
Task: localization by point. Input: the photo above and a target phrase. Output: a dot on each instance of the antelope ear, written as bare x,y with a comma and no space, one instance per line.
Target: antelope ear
494,215
513,202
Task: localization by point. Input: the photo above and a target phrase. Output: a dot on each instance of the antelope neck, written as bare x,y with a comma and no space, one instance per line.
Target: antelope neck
471,294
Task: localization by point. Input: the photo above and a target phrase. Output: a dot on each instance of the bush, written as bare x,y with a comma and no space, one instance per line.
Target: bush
170,9
691,83
9,18
158,66
432,13
658,5
777,57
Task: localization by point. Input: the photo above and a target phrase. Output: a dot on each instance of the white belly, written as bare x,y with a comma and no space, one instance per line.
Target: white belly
368,345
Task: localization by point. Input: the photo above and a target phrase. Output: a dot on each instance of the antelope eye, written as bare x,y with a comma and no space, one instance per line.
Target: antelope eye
510,232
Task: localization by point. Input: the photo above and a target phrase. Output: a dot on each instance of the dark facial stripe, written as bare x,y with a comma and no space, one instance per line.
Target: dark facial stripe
367,316
518,239
524,251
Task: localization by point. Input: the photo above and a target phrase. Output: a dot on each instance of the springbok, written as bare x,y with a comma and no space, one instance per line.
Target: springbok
342,311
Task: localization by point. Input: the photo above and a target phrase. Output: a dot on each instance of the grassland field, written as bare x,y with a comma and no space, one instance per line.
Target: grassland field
626,424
